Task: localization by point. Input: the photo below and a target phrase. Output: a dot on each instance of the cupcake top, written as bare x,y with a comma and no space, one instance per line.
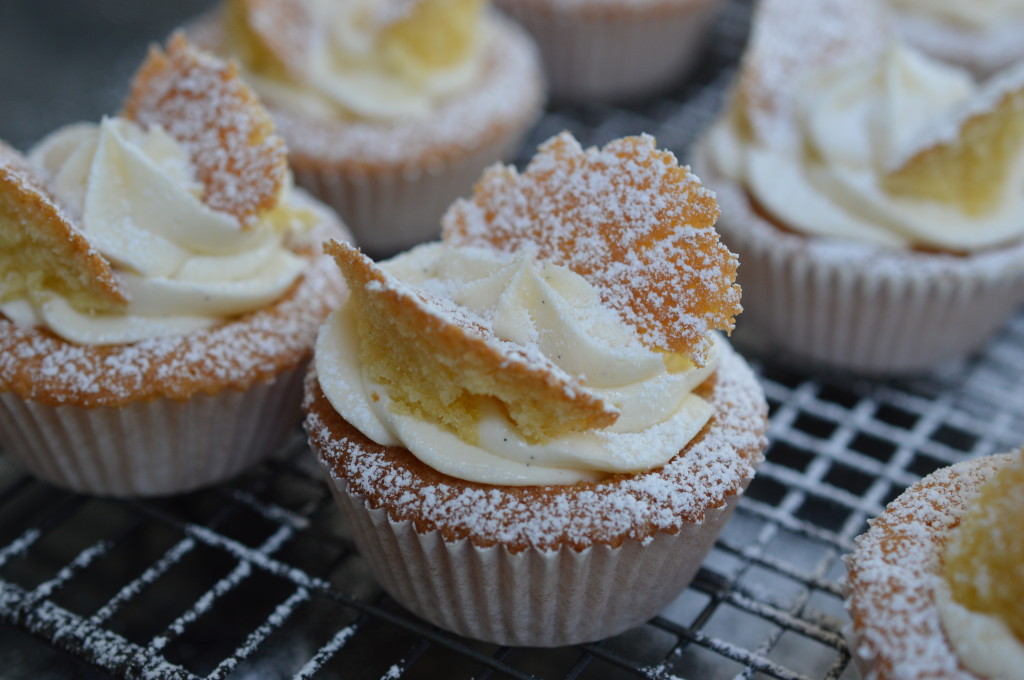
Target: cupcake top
366,59
164,222
872,141
182,202
983,36
558,332
936,583
977,15
983,571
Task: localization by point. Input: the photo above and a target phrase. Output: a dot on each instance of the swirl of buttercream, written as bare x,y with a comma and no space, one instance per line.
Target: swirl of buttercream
550,309
368,59
183,265
855,123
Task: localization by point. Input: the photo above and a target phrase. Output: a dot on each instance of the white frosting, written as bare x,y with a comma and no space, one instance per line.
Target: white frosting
975,14
182,265
347,71
854,124
548,308
983,643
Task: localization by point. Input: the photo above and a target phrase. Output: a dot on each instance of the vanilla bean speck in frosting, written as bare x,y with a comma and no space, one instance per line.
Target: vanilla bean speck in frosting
552,313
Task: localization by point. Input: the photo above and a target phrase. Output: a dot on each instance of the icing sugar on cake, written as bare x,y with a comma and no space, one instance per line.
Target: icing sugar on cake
895,570
481,114
527,559
625,217
40,366
203,103
40,235
792,39
715,466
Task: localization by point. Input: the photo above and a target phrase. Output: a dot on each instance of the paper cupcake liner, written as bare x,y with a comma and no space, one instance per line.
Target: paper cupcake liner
155,447
592,54
861,308
390,209
534,597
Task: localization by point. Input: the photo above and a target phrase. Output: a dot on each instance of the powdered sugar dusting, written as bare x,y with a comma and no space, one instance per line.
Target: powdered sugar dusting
750,232
792,38
285,27
628,219
950,128
894,571
718,463
445,311
204,104
37,223
507,93
39,366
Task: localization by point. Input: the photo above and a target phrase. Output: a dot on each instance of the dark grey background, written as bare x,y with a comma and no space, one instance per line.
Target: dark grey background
63,61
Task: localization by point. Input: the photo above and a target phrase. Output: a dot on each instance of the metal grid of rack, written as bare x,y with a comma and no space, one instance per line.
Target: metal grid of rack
259,578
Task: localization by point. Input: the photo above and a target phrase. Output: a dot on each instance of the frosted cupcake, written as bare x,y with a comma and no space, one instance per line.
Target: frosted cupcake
604,50
162,288
935,586
983,35
526,416
873,194
390,109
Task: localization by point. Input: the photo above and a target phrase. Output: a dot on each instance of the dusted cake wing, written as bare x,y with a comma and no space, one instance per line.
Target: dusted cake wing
41,249
627,218
442,365
791,39
973,159
204,104
985,557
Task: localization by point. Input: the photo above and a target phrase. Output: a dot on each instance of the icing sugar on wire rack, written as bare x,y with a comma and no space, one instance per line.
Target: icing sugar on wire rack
260,579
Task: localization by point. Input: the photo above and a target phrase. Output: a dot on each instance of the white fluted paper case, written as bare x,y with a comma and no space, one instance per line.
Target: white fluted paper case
610,51
533,598
152,447
861,308
391,209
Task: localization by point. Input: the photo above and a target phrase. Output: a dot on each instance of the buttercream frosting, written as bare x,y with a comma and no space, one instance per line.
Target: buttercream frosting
855,123
183,266
369,59
983,643
550,309
977,14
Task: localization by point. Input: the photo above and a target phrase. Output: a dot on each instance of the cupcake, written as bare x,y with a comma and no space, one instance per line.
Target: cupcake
873,194
935,586
983,36
390,109
613,50
520,420
162,288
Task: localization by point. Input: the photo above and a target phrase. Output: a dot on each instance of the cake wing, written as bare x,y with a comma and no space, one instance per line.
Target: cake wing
41,249
791,39
969,159
438,362
627,218
204,104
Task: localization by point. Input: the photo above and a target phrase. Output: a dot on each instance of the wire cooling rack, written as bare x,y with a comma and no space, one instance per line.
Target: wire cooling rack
259,578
